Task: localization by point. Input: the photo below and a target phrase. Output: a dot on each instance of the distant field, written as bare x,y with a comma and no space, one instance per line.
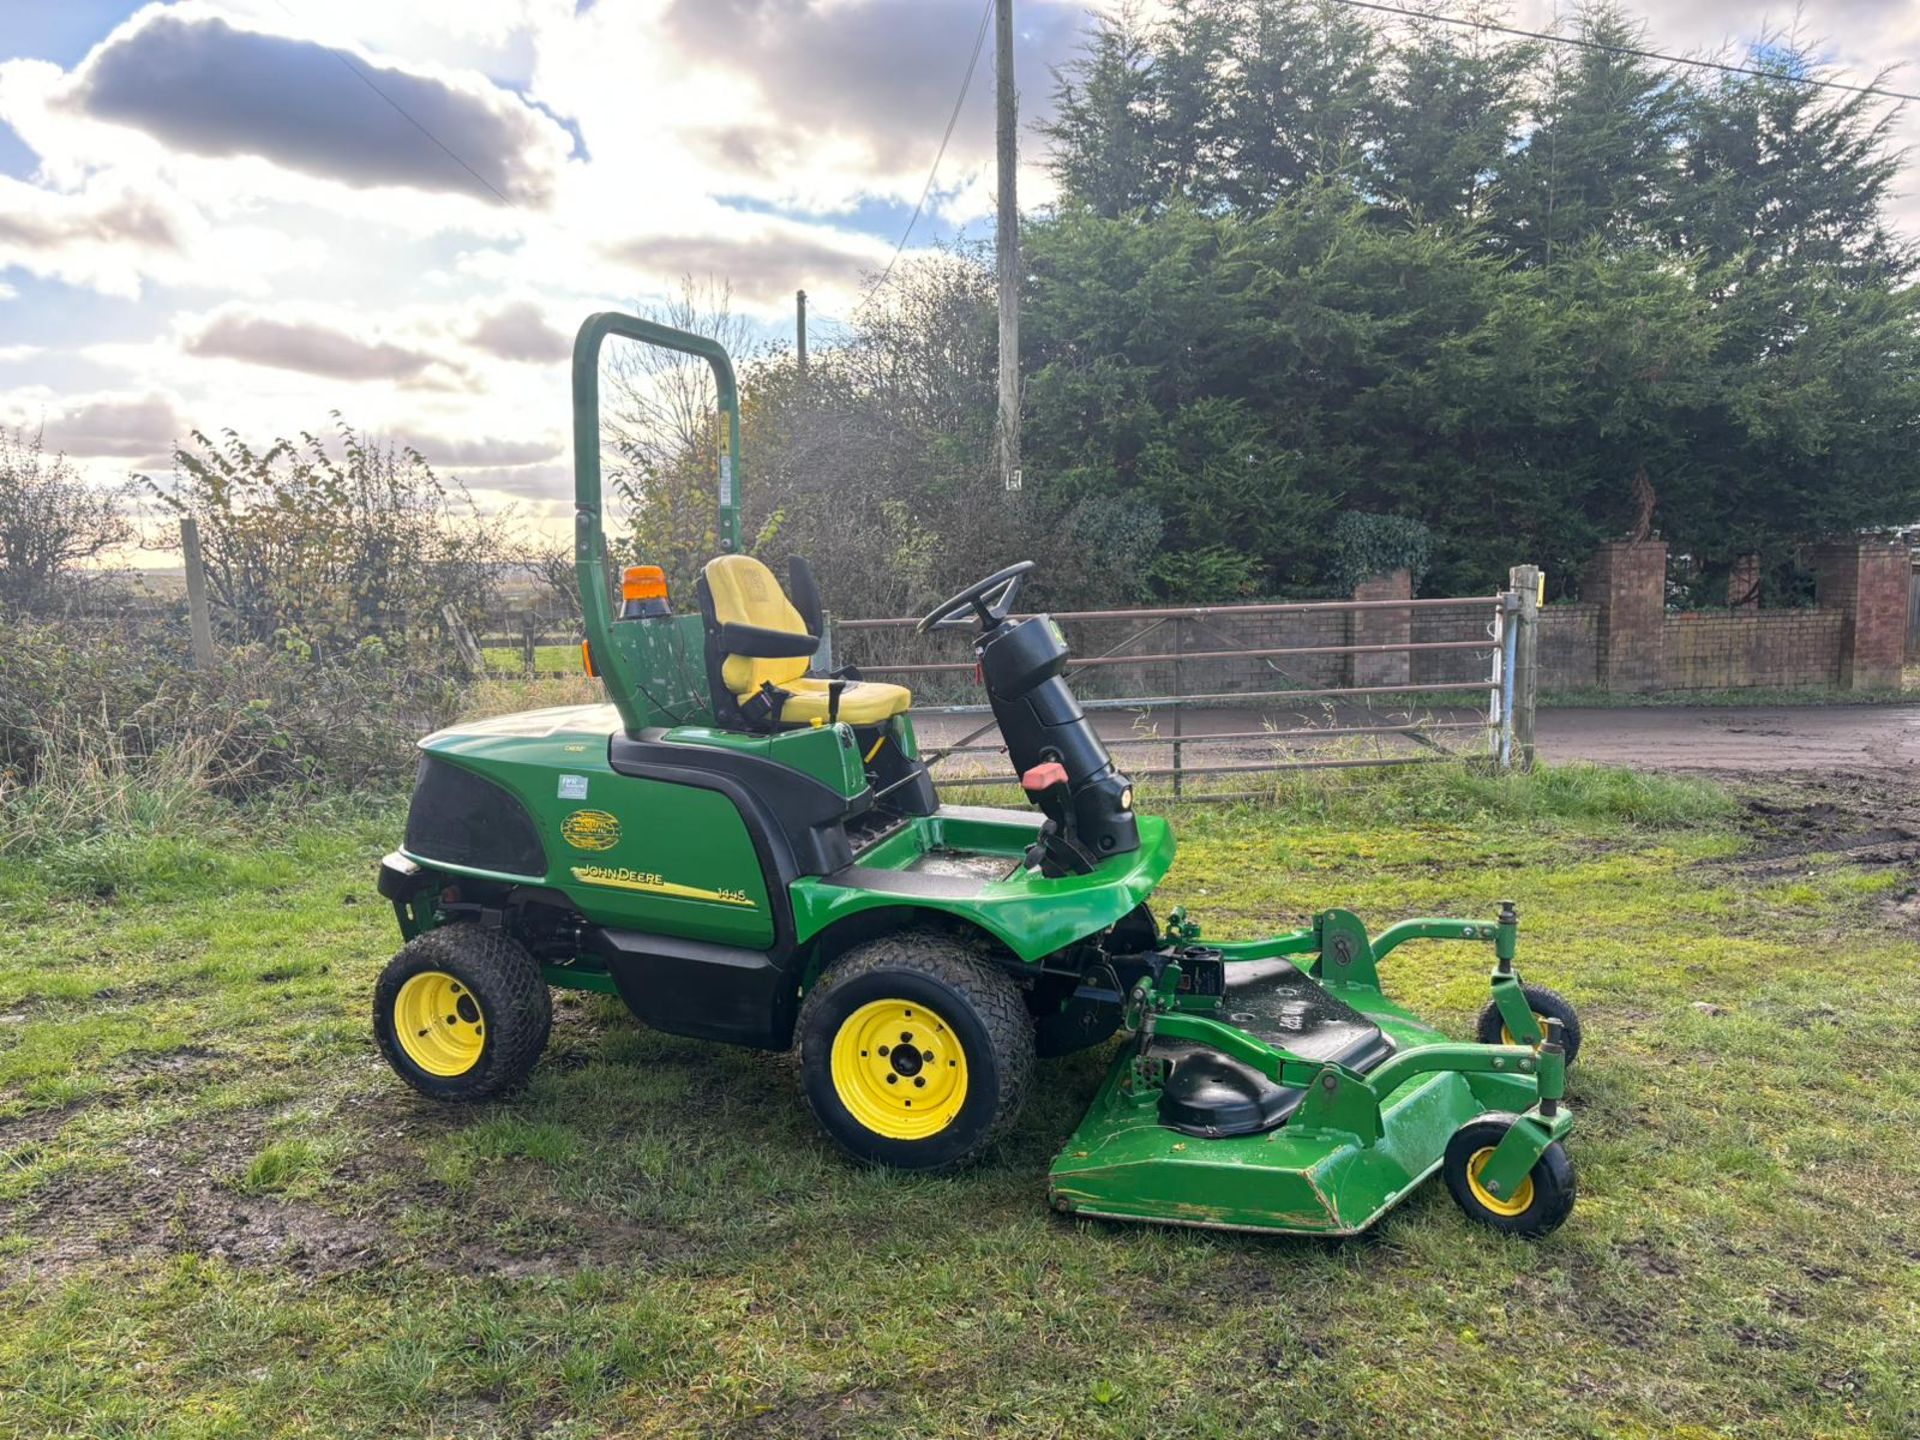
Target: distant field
546,659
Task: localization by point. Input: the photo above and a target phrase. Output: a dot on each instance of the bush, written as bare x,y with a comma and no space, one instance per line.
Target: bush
103,728
51,524
326,552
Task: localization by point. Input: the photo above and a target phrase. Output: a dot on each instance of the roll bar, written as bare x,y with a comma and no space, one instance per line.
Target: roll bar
588,530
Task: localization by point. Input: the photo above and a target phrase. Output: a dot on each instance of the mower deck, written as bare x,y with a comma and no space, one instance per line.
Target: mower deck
1285,1103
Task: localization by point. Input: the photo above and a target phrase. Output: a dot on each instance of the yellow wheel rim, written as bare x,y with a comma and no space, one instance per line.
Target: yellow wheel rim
1506,1035
1522,1198
439,1023
899,1069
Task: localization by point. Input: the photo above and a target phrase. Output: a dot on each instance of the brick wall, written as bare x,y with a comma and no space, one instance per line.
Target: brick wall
1629,580
1381,627
1747,648
1570,646
1866,581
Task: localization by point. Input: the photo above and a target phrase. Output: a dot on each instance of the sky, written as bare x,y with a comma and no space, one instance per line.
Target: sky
210,219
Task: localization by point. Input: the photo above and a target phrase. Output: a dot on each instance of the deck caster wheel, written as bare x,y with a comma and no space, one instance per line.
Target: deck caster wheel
462,1013
1546,1005
1543,1200
914,1052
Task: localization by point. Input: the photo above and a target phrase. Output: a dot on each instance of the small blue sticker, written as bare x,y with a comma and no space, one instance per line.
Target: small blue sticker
573,787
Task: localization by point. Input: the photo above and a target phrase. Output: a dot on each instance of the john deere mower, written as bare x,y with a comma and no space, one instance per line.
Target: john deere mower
745,851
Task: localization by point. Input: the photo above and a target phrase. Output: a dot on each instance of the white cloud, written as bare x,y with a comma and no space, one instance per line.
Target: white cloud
108,424
289,340
201,85
519,330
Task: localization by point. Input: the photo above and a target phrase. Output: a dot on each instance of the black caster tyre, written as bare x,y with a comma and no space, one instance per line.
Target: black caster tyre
915,1053
1546,1005
1544,1199
462,1013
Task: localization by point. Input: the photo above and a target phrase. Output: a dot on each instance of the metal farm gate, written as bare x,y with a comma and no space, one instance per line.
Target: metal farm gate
1208,698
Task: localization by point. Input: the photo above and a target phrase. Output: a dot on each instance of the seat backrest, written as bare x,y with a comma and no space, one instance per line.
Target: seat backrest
744,592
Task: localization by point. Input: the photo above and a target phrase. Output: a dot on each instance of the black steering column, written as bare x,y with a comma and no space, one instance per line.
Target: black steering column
1062,764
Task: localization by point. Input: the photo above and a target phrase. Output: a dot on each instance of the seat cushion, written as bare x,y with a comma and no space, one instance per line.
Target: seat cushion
862,702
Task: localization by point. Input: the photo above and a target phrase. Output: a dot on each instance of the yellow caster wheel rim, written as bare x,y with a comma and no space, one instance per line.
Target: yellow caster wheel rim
899,1069
439,1023
1522,1197
1506,1035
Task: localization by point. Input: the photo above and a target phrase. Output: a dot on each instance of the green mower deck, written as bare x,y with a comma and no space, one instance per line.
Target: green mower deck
1357,1138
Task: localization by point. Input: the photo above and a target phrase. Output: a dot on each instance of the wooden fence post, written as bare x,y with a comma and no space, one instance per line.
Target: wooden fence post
463,640
1527,581
199,617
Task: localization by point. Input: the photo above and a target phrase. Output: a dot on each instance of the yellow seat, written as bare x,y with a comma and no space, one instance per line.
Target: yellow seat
739,590
862,702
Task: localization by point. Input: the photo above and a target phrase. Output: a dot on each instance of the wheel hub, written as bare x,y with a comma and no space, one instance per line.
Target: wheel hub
899,1069
1522,1195
439,1023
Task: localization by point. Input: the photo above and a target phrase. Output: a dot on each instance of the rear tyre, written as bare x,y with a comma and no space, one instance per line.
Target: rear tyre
1541,1203
1546,1005
915,1053
462,1013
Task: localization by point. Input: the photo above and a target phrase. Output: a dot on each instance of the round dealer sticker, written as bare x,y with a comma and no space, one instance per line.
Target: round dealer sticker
591,830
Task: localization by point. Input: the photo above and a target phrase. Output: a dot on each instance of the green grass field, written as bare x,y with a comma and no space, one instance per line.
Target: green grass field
221,1215
547,660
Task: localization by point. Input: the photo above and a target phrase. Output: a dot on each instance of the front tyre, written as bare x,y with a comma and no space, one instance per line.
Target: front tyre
1537,1207
462,1013
914,1052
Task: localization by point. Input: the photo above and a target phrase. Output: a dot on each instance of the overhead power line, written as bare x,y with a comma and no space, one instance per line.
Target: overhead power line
1628,50
966,84
401,110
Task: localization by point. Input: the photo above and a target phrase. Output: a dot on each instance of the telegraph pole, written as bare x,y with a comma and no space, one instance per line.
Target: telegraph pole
1007,247
800,329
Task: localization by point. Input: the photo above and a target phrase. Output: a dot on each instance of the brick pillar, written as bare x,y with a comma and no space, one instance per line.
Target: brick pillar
1866,581
1743,583
1628,580
1381,627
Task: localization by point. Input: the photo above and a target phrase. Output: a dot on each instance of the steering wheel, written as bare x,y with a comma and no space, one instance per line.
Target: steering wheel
946,615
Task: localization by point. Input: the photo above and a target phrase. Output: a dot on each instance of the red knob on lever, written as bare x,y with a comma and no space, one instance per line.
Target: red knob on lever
1043,777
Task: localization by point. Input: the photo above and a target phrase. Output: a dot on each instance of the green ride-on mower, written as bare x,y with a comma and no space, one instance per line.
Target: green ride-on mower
746,852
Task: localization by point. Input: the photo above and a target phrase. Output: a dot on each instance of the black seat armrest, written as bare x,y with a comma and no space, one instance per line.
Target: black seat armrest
762,644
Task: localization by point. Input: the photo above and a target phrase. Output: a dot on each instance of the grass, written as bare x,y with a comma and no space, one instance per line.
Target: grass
547,659
221,1216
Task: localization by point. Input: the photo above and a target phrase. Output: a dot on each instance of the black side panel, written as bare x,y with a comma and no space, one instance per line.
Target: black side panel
460,818
691,987
805,820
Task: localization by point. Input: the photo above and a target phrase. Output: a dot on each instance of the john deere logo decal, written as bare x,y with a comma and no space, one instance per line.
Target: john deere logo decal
591,830
649,883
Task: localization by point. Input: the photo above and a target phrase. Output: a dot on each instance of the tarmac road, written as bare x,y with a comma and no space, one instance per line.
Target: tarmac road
1769,739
